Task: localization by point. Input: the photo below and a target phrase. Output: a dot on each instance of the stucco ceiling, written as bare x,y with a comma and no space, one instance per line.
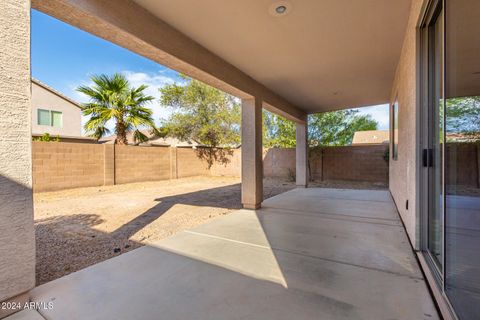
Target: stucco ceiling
323,55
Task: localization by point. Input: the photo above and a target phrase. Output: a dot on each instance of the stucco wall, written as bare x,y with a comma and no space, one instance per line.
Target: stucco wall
43,98
403,173
17,249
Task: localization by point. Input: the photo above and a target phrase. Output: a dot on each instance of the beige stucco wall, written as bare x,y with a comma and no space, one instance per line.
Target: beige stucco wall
43,98
17,249
403,172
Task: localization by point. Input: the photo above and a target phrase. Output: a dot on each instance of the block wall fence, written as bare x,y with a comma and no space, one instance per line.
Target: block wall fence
63,165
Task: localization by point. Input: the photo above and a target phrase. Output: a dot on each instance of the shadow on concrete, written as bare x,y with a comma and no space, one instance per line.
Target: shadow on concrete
248,273
72,242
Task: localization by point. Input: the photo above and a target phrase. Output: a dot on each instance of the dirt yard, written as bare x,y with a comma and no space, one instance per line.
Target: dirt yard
80,227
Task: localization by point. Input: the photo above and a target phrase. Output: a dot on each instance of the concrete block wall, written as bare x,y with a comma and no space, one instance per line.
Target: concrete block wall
137,164
59,165
62,165
279,162
231,169
189,164
460,169
17,249
355,163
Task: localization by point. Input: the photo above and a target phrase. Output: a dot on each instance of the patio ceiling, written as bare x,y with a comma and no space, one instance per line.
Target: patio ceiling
321,55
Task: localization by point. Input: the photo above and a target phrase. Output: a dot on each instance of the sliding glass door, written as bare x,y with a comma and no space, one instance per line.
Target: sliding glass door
462,157
450,131
433,135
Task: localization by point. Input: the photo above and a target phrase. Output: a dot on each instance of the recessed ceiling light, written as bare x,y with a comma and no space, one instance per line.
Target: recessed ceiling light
280,8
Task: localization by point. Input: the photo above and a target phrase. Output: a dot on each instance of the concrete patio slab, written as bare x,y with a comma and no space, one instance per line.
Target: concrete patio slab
264,264
341,202
26,314
350,194
371,245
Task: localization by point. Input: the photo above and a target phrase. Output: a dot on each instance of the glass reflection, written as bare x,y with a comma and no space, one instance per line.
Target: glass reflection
462,157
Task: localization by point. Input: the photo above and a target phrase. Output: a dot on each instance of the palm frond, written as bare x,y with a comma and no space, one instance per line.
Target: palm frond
139,136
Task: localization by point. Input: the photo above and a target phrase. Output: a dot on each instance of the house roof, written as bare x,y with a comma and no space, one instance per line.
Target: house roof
371,137
153,141
61,95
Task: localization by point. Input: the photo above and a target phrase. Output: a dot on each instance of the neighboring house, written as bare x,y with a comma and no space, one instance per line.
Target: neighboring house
54,113
371,137
153,141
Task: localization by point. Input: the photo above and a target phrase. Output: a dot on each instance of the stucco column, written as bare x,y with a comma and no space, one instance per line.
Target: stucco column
252,165
302,155
17,237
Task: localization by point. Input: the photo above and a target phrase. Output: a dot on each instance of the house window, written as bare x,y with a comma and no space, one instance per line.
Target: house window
50,118
394,128
56,117
43,117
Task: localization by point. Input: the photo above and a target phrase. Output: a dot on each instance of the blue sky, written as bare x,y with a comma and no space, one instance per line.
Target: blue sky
65,57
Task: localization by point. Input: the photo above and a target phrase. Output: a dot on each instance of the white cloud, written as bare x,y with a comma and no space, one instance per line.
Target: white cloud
153,81
379,113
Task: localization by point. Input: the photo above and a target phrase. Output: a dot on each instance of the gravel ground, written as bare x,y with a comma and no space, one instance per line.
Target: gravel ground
80,227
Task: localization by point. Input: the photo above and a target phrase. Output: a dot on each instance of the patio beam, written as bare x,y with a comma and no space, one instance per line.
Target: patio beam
129,25
252,160
301,172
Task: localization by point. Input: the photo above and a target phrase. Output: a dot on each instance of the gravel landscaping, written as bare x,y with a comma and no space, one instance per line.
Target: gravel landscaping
80,227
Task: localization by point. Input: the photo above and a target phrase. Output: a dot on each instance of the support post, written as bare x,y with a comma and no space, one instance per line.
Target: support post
17,235
302,156
252,162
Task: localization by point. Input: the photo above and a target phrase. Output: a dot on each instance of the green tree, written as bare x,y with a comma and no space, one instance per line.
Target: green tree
278,131
337,128
463,116
202,114
334,128
113,98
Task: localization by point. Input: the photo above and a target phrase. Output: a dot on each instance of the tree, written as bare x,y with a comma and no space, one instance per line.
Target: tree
337,128
463,116
112,98
202,114
324,129
278,131
205,115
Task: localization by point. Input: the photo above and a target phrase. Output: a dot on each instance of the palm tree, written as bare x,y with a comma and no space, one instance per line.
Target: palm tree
112,98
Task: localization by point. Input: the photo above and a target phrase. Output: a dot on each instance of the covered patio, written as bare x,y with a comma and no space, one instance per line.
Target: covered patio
307,254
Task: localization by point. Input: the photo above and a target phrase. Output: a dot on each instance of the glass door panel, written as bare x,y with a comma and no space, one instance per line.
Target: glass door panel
462,158
435,138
